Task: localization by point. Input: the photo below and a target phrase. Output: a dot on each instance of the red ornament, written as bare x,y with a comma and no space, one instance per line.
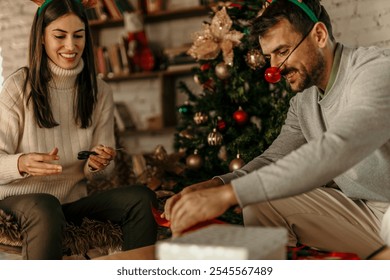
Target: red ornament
209,85
272,75
240,116
235,5
221,125
205,66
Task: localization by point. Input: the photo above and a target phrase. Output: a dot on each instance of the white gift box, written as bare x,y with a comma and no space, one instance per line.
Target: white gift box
225,242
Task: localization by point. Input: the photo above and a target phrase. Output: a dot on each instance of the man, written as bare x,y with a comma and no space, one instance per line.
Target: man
326,178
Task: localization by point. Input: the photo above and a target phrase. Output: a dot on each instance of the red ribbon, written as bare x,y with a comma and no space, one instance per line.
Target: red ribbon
306,253
165,223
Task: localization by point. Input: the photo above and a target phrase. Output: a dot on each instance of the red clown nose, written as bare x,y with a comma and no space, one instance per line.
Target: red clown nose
272,75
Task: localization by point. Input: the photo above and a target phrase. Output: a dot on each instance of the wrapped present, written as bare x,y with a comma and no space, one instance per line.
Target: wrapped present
225,241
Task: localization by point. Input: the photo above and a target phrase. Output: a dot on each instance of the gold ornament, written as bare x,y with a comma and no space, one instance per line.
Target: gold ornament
256,121
200,118
255,59
216,37
222,71
236,163
222,153
194,161
187,133
214,138
196,80
152,169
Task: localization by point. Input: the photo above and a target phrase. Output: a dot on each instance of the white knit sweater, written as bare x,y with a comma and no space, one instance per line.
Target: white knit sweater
19,134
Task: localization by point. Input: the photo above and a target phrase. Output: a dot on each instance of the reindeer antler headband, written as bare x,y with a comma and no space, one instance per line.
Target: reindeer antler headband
43,3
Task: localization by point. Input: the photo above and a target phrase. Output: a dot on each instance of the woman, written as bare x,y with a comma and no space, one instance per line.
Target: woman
49,112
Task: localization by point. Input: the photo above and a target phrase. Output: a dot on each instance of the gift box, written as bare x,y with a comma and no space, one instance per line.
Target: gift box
225,242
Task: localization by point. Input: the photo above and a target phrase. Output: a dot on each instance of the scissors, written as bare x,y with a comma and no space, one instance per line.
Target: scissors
85,154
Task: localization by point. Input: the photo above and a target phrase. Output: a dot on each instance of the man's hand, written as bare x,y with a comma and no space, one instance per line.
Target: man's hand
103,158
39,164
173,199
199,206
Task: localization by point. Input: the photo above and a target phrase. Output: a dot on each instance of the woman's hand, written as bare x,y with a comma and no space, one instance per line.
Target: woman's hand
103,158
39,164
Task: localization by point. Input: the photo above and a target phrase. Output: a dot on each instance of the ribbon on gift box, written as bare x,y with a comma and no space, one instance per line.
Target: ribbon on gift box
303,252
165,223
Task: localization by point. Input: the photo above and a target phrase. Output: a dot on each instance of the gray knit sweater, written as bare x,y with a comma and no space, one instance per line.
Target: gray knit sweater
343,137
19,133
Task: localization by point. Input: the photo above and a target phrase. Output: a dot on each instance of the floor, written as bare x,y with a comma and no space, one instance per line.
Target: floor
10,256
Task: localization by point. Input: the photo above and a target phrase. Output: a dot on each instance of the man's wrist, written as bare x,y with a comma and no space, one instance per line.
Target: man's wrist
229,195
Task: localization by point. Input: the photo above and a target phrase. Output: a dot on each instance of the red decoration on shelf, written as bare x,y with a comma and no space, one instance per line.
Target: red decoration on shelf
240,116
138,48
272,75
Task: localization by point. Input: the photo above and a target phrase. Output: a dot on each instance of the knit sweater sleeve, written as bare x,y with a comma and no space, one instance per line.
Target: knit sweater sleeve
11,116
103,134
358,129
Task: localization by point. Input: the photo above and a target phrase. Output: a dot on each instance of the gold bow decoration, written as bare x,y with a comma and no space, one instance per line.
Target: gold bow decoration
216,37
157,169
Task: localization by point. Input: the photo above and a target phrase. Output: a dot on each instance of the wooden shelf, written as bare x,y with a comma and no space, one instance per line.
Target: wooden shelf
175,14
163,131
166,80
132,76
155,17
181,70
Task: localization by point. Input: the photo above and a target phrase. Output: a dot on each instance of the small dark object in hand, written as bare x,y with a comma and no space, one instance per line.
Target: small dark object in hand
85,154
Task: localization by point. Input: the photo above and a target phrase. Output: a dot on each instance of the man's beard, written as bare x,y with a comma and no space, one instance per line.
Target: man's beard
307,78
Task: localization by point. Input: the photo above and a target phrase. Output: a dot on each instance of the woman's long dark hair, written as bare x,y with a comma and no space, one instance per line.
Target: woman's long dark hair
39,74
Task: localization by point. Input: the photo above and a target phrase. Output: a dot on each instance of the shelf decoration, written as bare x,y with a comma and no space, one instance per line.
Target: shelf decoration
138,47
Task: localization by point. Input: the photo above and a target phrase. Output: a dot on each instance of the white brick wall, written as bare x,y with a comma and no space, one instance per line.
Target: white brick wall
355,22
15,23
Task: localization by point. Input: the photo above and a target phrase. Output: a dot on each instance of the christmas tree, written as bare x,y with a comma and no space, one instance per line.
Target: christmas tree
238,113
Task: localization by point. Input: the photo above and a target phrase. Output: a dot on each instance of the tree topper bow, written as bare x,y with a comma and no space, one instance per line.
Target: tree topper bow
215,37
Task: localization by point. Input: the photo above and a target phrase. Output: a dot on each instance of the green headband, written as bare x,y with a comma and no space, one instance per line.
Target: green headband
304,8
40,9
